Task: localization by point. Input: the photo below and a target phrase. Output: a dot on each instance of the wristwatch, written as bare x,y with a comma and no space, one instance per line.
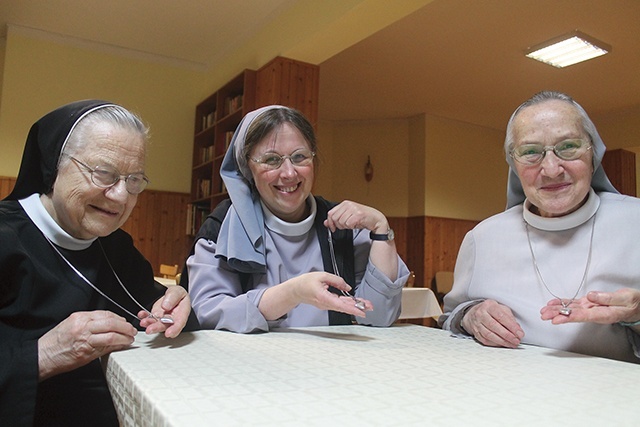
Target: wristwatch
389,235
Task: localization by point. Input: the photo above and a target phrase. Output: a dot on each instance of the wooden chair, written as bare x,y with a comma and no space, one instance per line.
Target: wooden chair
168,271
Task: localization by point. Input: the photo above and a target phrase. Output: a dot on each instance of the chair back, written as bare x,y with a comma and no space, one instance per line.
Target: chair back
168,271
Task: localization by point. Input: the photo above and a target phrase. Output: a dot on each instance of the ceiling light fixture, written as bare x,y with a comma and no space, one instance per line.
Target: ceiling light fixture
568,49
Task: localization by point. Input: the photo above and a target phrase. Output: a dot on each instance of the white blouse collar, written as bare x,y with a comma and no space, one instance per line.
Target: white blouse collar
284,228
574,219
36,211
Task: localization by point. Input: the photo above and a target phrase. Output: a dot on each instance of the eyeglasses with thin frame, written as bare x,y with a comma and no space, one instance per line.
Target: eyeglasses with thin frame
301,157
533,154
104,176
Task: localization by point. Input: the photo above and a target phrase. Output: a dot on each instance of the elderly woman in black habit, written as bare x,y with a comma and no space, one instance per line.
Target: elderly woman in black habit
71,279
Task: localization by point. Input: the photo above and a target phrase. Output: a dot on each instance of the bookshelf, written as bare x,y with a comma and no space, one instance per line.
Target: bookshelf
215,121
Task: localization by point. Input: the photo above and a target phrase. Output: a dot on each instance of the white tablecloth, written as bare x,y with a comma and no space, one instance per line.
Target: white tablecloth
354,375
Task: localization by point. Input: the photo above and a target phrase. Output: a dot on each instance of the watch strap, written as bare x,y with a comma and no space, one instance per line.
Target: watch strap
382,237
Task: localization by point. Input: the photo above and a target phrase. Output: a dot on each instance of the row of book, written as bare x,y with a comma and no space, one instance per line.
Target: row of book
203,188
232,104
206,154
195,217
209,120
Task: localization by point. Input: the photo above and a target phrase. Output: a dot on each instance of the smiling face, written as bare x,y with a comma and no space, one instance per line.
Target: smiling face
555,187
283,190
83,209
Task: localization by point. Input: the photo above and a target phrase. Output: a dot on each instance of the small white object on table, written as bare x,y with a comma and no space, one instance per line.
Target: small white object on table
418,303
405,375
165,281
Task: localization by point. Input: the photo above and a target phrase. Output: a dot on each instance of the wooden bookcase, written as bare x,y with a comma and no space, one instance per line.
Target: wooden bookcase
296,84
282,81
216,119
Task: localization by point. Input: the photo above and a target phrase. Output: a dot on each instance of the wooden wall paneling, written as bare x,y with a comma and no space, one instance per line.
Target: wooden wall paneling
413,247
429,244
6,186
620,166
157,226
399,227
442,243
173,225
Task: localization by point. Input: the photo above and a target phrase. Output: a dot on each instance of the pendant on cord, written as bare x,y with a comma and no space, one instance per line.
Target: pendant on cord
565,310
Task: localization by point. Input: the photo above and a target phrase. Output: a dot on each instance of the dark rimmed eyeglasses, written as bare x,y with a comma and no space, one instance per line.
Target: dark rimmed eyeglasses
533,154
104,176
301,157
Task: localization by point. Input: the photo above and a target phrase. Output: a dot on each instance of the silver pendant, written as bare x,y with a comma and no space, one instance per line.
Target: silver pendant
565,311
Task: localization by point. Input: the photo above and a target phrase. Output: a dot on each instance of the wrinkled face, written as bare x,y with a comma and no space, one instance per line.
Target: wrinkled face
80,207
556,187
283,190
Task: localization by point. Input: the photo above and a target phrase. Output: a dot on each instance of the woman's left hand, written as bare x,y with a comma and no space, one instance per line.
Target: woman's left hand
177,304
605,308
353,216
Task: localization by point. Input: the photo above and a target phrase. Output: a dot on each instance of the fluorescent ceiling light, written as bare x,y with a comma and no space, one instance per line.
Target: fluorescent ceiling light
568,49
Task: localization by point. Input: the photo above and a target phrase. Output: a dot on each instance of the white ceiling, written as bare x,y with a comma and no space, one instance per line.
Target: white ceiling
463,59
460,59
197,33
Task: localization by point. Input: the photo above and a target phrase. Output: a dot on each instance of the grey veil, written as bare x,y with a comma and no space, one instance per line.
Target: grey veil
241,238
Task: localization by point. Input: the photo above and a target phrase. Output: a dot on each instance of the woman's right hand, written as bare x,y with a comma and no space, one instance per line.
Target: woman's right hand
493,324
310,288
81,338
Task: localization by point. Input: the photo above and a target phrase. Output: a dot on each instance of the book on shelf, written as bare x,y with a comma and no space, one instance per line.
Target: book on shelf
206,154
232,104
203,188
209,120
195,217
